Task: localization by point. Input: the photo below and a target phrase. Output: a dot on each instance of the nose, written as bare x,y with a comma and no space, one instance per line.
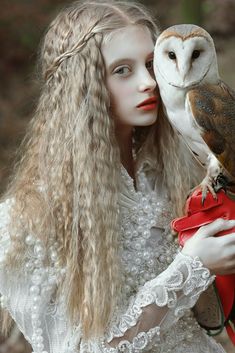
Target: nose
146,82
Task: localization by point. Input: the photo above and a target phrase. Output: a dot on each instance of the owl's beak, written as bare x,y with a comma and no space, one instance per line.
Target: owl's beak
184,69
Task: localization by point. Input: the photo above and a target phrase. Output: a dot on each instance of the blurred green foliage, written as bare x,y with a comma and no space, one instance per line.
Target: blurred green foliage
192,11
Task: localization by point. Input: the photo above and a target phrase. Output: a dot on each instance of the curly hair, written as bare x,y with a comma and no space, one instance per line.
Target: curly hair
161,149
65,185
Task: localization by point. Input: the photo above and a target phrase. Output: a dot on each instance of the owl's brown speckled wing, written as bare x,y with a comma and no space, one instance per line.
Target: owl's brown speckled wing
213,107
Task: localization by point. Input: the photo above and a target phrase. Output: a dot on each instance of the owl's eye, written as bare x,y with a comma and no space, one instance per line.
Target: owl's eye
172,55
196,54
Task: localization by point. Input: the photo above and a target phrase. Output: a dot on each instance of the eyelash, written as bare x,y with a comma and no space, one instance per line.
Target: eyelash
119,70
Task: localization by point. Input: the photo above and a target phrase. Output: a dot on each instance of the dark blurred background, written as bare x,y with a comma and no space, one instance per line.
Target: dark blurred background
22,24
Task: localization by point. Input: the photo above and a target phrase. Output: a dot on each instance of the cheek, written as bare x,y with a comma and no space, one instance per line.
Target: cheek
120,93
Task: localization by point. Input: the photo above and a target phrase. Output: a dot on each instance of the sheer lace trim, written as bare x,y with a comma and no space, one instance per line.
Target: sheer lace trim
184,275
143,341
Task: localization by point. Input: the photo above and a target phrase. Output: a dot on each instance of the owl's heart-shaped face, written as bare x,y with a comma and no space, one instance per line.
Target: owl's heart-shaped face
186,59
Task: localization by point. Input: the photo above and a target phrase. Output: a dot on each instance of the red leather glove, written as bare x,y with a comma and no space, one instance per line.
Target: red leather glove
198,215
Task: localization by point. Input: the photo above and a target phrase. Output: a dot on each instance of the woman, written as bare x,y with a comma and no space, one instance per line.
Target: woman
88,263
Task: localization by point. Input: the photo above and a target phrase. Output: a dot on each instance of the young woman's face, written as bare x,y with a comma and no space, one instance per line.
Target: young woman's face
128,56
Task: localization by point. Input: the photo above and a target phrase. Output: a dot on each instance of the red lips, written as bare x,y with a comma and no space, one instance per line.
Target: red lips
148,104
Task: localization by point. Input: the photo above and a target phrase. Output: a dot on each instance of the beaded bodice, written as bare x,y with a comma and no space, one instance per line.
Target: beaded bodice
148,245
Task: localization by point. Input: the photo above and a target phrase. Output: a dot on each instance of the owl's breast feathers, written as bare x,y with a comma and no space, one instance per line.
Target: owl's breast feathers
213,108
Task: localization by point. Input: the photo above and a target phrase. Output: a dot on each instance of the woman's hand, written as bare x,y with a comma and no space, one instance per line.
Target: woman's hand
216,253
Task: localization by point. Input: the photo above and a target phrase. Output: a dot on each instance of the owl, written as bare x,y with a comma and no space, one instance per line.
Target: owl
199,105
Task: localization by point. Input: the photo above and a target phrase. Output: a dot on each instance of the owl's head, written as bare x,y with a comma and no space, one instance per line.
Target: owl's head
185,56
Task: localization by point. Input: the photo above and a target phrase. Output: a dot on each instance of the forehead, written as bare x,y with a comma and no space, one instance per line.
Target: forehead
129,42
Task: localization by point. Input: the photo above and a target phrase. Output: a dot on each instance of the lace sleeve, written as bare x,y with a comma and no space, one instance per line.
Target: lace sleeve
27,292
158,305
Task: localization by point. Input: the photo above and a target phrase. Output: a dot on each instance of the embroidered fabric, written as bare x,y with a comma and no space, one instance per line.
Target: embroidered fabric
162,285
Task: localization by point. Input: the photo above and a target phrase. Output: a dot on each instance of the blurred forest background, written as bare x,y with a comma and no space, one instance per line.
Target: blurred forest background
22,24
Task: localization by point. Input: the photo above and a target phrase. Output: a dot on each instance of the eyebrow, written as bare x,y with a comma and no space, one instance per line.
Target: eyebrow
118,62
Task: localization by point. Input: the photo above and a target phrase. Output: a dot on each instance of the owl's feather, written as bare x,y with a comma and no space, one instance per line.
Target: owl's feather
213,107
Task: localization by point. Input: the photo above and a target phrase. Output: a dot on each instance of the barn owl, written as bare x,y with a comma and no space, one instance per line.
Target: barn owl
198,104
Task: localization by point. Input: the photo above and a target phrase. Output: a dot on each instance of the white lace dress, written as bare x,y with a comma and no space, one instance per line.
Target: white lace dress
161,285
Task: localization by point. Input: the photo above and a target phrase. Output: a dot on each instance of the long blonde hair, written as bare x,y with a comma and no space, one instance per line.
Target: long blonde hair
66,183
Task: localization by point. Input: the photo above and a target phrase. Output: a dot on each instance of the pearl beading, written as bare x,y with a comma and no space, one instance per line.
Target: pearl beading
143,257
43,282
4,221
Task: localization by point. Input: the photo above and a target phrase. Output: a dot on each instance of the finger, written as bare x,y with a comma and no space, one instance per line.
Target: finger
227,266
227,239
215,227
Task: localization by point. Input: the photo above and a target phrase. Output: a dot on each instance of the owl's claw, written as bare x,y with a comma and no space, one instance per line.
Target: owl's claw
209,184
205,187
214,185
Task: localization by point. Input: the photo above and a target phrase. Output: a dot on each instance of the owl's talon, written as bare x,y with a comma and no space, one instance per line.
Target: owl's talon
204,193
207,185
203,200
212,191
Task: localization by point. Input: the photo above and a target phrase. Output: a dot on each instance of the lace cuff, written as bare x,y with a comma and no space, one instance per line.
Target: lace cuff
158,305
139,344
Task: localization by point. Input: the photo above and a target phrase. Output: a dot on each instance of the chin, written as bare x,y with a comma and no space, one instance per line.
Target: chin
147,121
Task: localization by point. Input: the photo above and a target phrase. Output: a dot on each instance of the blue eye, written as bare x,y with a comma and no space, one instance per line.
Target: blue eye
124,70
